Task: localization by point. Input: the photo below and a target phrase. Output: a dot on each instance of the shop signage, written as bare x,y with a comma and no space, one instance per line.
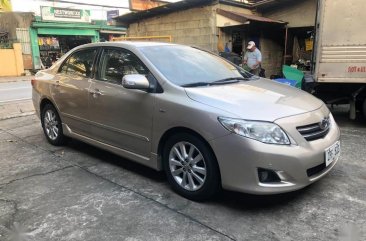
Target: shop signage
140,5
65,14
112,14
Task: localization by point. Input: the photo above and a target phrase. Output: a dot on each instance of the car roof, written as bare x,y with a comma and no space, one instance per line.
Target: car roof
136,44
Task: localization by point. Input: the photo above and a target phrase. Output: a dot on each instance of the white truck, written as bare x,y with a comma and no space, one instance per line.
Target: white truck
339,57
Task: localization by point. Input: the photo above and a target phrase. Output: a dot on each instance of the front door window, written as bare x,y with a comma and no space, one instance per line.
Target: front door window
116,63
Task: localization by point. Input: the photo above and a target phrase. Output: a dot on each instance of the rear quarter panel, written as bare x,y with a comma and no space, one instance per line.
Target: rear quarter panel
41,89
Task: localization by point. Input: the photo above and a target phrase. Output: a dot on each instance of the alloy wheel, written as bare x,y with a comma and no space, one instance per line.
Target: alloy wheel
51,124
187,166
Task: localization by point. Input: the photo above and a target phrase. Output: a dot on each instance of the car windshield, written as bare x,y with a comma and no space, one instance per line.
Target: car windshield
189,67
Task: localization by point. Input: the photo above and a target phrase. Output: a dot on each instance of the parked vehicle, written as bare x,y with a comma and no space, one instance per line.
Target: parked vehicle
204,121
339,73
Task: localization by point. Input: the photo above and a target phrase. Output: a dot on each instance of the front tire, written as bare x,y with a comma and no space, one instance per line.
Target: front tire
52,126
191,167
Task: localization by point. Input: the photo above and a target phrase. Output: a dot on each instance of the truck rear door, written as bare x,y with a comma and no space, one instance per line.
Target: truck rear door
341,42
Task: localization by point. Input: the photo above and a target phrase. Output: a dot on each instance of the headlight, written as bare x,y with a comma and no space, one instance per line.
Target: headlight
266,132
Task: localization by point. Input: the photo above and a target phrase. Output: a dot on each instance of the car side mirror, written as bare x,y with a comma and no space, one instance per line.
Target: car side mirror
136,82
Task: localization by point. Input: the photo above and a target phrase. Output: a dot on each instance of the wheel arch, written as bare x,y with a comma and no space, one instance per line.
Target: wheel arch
208,188
44,102
175,130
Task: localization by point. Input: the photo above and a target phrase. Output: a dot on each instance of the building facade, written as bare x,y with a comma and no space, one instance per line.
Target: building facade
299,32
11,25
44,41
56,27
51,39
210,25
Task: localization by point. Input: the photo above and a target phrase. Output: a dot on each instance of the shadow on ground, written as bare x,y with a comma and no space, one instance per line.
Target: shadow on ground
341,115
117,161
233,200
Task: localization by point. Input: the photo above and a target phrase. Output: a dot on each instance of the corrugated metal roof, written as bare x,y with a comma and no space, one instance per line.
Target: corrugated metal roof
241,17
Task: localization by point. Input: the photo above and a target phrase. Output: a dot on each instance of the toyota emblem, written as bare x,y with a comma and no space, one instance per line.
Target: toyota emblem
324,124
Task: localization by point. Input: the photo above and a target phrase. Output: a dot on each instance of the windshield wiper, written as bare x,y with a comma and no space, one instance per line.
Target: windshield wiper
216,82
196,84
228,80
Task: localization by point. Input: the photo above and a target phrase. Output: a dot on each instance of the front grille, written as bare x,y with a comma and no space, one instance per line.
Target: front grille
315,170
315,131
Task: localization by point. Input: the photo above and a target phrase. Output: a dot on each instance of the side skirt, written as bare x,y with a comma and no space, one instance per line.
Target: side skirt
146,161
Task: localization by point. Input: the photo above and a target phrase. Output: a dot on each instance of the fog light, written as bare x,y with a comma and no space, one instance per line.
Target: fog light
267,176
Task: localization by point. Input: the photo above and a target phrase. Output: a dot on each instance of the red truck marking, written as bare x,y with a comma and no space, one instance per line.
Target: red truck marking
354,69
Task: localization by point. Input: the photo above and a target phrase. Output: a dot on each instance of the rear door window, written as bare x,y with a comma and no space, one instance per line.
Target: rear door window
80,63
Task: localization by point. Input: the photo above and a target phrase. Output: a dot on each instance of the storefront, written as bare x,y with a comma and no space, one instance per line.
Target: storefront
59,30
240,28
299,32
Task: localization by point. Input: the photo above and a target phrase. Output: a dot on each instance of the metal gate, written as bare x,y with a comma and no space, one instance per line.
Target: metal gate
5,43
24,40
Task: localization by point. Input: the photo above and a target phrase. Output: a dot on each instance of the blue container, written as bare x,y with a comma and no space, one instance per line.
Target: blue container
287,82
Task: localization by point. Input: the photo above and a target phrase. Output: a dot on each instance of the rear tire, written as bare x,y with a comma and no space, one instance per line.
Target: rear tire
191,167
52,126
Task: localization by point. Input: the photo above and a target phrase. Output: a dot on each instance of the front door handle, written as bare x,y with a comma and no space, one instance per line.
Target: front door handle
57,83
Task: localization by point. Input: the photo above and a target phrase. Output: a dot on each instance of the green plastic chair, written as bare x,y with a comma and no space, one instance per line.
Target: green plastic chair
293,74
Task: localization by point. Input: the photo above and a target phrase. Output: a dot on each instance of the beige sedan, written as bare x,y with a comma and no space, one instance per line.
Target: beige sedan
207,123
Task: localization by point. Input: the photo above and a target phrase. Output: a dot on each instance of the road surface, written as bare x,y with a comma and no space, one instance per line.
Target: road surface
15,91
78,192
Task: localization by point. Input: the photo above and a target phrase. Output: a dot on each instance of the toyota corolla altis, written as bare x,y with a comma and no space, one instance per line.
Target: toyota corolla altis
204,121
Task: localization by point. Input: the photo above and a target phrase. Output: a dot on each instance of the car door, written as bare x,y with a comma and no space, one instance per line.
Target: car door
71,90
121,117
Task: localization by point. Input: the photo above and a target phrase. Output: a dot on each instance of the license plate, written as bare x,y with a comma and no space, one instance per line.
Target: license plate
332,153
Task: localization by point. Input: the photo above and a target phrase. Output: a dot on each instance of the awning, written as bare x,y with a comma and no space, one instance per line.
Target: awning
228,18
112,32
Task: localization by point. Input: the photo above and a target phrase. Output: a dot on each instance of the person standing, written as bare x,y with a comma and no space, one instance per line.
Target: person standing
253,58
229,47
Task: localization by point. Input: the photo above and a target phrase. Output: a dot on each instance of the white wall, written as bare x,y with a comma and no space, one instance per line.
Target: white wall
297,14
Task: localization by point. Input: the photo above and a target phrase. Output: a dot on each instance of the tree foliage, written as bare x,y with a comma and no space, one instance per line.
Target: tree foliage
5,5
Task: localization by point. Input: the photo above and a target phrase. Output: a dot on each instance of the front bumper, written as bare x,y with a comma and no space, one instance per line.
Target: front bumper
239,159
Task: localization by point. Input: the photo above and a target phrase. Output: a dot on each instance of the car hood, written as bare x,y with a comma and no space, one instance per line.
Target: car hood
260,99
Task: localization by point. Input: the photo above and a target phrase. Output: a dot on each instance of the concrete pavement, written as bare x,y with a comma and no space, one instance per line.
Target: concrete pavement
16,108
78,192
58,198
15,97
